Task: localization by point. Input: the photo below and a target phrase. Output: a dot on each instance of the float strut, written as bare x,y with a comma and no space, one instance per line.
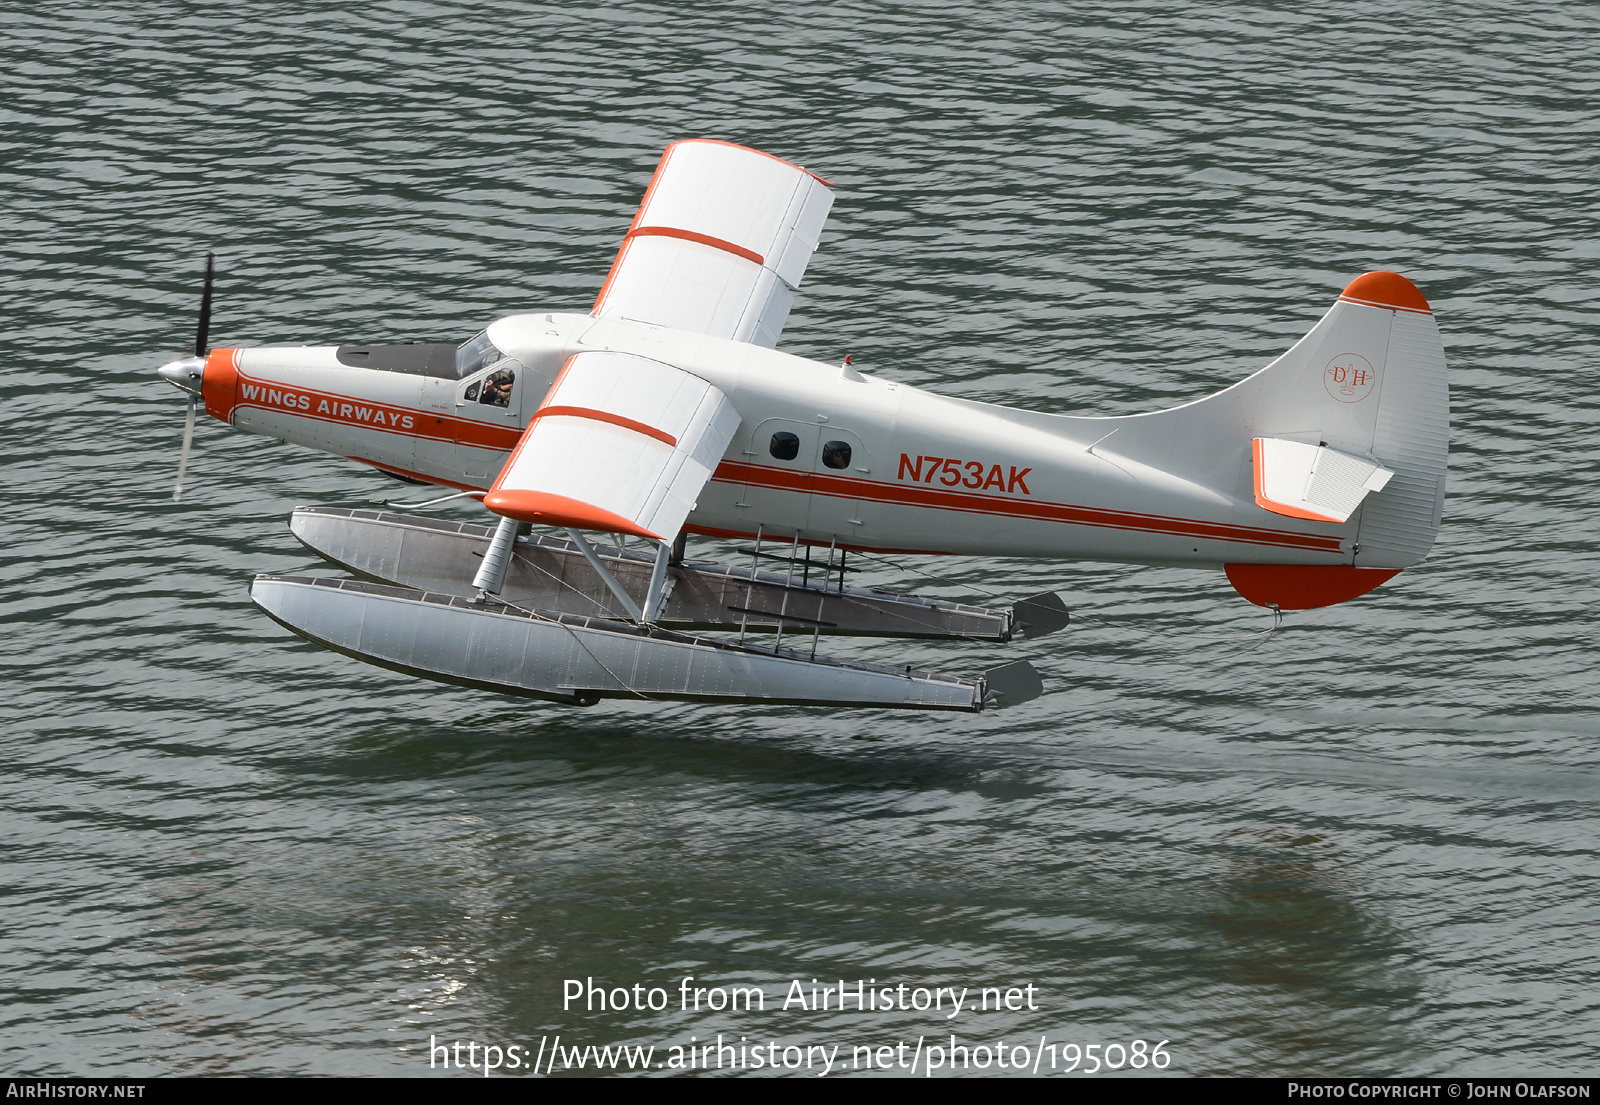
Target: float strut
491,575
655,594
749,592
788,583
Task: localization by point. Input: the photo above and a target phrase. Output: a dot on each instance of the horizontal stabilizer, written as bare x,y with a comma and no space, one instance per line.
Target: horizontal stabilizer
1313,481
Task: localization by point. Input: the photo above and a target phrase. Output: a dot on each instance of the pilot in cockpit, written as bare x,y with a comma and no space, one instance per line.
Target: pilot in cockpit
497,389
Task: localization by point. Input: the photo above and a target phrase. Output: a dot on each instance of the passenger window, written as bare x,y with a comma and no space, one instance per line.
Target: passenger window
785,446
836,454
472,392
497,388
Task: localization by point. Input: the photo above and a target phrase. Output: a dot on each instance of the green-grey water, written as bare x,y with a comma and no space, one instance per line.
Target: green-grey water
1364,844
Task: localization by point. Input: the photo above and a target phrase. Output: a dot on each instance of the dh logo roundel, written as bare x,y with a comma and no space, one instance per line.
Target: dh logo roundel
1349,377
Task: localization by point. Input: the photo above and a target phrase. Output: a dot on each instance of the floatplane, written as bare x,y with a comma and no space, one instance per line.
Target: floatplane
598,442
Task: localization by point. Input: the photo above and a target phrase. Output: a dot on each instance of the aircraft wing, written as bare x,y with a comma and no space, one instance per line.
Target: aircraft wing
621,444
719,244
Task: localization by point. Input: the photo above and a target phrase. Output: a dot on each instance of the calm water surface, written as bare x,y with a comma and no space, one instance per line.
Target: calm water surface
1365,844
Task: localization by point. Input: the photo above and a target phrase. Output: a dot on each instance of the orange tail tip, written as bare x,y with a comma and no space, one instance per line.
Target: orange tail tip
558,510
1386,289
1304,586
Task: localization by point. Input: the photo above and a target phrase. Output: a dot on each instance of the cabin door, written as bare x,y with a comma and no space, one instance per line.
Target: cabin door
488,419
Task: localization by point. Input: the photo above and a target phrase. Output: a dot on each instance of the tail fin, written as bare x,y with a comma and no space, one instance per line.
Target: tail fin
1311,481
1368,388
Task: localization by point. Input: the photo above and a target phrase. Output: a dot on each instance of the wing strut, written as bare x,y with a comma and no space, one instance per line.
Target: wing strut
605,575
491,576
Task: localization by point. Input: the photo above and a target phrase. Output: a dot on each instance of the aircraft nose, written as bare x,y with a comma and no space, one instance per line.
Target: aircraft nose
185,373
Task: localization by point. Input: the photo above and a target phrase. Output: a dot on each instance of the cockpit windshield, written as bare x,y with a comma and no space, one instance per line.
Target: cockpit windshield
475,354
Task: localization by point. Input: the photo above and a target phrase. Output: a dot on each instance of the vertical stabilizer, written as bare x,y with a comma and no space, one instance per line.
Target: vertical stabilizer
1342,439
1370,380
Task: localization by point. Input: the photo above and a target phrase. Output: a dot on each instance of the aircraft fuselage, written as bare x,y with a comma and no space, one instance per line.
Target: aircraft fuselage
918,472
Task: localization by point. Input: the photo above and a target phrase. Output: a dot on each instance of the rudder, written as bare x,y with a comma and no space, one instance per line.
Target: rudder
1398,527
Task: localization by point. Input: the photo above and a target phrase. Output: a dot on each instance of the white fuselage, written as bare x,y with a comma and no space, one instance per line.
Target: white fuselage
925,474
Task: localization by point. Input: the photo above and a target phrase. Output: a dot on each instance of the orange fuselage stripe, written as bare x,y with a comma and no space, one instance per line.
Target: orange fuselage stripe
422,476
506,438
425,424
815,483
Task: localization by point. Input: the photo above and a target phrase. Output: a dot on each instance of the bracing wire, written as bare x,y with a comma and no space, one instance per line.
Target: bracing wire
1259,636
1262,634
580,643
929,575
560,583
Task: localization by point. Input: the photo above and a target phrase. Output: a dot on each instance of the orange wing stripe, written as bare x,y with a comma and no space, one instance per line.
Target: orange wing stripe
605,416
558,510
696,236
634,229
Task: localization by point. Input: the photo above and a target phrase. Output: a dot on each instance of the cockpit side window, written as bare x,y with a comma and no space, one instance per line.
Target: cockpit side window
473,355
497,388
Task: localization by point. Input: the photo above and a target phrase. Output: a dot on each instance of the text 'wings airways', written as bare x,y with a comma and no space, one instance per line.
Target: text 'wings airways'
622,444
720,243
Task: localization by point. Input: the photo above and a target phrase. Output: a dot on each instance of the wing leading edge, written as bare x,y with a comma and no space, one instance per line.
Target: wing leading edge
621,444
719,244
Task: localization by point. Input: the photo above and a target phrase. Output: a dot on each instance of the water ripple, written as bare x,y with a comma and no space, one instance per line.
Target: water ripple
1363,844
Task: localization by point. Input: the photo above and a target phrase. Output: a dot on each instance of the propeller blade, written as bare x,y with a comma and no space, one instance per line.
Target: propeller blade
204,329
188,440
